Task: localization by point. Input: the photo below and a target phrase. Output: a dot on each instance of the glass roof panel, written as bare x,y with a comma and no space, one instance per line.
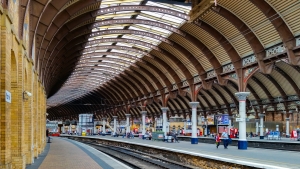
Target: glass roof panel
124,44
150,3
91,69
143,38
118,2
141,28
126,14
104,36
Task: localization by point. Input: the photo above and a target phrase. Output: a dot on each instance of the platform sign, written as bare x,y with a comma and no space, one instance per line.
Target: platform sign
7,96
239,119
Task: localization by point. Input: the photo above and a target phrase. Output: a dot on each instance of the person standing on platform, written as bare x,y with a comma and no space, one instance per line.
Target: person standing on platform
47,135
225,139
218,140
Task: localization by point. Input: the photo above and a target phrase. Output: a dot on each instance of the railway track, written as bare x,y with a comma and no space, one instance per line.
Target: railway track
138,160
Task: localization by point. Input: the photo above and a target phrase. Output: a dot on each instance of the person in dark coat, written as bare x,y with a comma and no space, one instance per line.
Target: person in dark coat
175,137
47,135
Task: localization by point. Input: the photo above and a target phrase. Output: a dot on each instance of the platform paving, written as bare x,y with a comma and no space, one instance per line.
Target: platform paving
69,154
283,139
265,158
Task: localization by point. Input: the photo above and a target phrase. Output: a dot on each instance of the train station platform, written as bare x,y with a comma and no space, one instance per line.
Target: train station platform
256,157
65,153
254,142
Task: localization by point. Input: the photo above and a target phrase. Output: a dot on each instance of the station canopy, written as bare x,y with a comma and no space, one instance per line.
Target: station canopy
113,57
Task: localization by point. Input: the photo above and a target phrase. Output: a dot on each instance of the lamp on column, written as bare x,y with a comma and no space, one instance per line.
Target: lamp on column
26,94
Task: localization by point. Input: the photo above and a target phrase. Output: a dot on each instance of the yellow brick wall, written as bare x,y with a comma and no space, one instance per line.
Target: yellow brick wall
5,129
23,121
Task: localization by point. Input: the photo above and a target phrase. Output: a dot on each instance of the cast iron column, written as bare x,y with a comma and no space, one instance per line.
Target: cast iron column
115,124
256,126
103,124
127,123
287,127
63,129
229,125
164,110
143,121
261,125
194,138
242,142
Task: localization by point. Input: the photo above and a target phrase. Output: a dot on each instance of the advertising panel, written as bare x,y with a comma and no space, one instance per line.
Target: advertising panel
222,119
210,120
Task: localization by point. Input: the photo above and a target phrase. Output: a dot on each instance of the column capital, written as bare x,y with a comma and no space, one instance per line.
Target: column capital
115,117
194,104
261,115
143,112
256,120
287,119
127,115
164,109
242,95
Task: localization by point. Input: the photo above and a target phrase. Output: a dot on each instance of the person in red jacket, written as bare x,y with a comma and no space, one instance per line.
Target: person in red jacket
218,140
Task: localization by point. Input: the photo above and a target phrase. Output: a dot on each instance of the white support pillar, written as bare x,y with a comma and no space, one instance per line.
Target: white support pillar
70,128
77,129
164,110
127,123
229,124
103,124
194,138
63,129
143,122
287,127
261,125
242,142
95,128
277,127
205,131
256,126
115,125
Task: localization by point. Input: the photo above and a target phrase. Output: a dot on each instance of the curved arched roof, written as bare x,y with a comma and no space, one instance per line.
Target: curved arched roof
110,57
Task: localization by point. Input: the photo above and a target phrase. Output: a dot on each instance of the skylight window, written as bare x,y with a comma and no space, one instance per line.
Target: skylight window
101,58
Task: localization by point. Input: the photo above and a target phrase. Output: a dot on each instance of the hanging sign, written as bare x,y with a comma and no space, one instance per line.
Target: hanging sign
7,96
239,119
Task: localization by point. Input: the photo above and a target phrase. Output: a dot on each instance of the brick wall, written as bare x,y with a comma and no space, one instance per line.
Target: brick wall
23,121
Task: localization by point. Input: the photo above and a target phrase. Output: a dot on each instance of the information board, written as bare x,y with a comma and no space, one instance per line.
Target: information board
222,119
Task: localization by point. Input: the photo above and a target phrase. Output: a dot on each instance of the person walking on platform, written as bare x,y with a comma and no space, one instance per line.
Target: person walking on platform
225,139
218,140
175,138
